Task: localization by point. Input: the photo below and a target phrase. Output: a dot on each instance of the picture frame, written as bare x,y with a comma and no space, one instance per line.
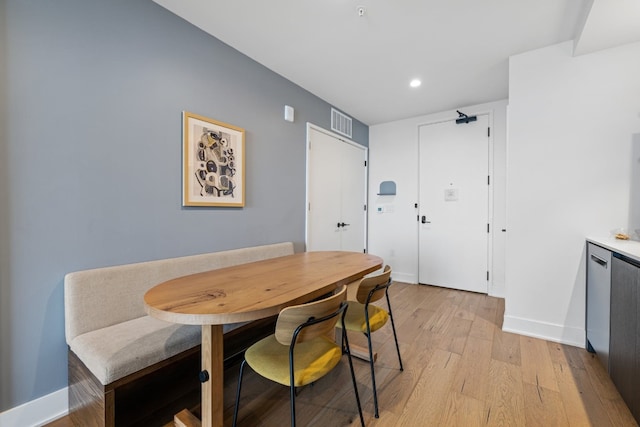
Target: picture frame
213,162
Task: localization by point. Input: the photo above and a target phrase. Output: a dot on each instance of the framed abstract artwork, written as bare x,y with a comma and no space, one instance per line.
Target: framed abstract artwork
212,162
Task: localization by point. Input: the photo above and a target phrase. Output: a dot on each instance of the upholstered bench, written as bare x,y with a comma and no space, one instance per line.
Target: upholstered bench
127,368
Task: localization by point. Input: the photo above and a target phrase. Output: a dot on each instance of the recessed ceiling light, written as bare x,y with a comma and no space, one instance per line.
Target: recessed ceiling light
415,83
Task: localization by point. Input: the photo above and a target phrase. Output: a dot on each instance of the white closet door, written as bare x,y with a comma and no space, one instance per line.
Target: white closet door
336,194
353,198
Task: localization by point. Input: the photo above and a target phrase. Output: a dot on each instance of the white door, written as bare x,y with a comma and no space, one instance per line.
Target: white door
454,205
336,193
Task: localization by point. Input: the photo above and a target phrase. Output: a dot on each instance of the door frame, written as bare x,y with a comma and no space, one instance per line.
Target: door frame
365,213
490,171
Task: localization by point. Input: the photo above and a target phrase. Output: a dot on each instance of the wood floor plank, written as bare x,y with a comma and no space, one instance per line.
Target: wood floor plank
505,395
414,325
536,365
482,328
499,313
415,357
506,347
455,334
582,405
564,354
472,379
461,410
428,400
468,305
487,308
331,398
601,383
405,299
543,407
441,317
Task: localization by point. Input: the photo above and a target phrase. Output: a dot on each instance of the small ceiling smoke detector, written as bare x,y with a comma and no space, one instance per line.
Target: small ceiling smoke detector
361,11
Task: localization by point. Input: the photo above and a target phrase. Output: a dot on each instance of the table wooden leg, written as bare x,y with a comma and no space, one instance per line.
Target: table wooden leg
213,364
185,418
356,350
362,352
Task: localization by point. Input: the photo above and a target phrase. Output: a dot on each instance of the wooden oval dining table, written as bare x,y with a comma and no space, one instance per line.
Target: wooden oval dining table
246,292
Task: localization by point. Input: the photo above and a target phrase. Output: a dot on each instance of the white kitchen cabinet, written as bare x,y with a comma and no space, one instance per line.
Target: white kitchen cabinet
598,301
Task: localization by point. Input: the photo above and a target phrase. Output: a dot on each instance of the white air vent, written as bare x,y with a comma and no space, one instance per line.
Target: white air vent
340,123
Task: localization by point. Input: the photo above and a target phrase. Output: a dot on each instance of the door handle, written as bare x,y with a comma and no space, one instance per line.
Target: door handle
599,260
424,220
342,224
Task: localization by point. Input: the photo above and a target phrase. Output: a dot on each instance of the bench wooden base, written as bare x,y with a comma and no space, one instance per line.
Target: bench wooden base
155,394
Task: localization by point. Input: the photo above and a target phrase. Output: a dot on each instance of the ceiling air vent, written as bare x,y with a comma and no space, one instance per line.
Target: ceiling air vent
340,123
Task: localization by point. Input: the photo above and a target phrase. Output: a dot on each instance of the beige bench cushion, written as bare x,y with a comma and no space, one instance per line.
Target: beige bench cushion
116,351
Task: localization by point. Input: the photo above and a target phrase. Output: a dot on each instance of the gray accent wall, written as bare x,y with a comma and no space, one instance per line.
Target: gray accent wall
91,96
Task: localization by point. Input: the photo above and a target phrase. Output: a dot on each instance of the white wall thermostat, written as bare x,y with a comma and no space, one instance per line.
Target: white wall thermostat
288,113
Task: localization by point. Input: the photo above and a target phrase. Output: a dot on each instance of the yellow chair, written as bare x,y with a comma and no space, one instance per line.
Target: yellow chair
362,316
302,350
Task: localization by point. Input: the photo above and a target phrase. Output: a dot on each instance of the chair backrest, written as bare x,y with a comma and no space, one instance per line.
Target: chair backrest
379,282
291,318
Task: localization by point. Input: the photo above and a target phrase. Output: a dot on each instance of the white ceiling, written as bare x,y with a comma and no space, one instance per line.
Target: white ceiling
363,64
609,23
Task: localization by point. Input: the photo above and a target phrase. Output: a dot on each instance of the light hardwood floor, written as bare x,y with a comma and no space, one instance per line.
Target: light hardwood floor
461,369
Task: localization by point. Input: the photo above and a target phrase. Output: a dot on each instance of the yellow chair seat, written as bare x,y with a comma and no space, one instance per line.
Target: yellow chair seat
312,359
355,320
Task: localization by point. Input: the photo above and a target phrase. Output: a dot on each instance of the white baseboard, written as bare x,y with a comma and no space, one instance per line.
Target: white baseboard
404,278
37,412
546,331
496,291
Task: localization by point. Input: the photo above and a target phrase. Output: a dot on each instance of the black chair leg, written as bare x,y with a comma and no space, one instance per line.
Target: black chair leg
235,410
345,349
373,376
292,392
395,337
293,406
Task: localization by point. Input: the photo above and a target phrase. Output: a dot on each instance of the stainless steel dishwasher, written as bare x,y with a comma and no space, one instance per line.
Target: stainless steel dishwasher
598,301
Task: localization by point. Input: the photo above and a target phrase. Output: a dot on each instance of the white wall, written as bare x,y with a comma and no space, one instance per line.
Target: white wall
571,126
634,208
393,156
